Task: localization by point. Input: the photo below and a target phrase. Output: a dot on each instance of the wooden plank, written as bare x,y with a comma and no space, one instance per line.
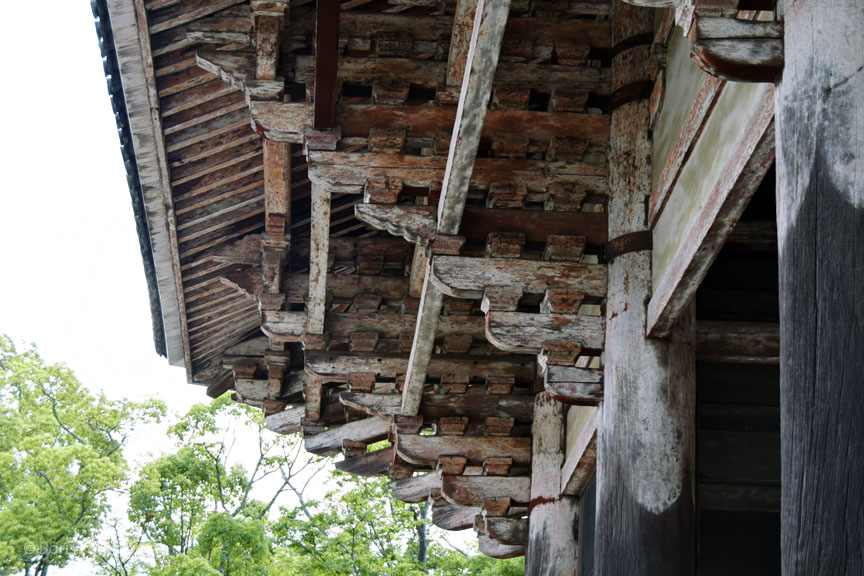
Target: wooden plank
427,450
329,442
460,41
646,436
475,490
820,216
287,421
738,50
712,225
326,61
738,342
416,489
522,332
580,463
369,464
449,516
571,385
512,531
185,12
501,551
520,407
335,366
466,277
318,252
552,542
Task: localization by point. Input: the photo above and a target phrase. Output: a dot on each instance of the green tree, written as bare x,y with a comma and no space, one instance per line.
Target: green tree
60,455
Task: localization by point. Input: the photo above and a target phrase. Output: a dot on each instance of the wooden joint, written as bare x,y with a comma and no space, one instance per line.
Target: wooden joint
570,53
387,140
445,244
457,343
496,507
382,191
497,466
363,341
507,196
407,424
361,381
390,92
394,43
511,97
564,197
558,354
562,248
738,50
453,425
561,301
454,383
500,383
500,298
499,426
458,306
451,465
510,146
505,244
353,448
567,148
321,139
563,100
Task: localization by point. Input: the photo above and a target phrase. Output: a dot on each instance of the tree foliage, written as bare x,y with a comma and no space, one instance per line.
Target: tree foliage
60,454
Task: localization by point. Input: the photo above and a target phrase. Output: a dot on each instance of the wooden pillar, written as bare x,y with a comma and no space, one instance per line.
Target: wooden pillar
645,444
820,212
553,520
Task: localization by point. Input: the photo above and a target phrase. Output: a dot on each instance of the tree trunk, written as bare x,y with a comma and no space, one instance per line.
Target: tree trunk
422,543
820,208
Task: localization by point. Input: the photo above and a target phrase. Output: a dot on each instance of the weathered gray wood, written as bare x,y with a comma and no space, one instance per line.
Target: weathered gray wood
739,50
552,544
501,551
369,464
474,490
287,421
520,407
645,441
330,441
738,342
319,246
820,207
449,516
284,326
581,460
464,277
336,366
416,224
571,385
482,59
426,450
526,332
512,531
238,70
417,488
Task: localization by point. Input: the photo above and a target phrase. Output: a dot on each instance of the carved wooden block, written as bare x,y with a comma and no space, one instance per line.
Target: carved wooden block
361,381
454,383
399,472
400,382
366,303
567,148
457,343
496,507
353,448
500,298
446,244
387,140
505,244
497,466
561,248
393,43
441,144
499,426
561,301
511,98
568,100
500,383
458,306
321,139
572,53
564,197
363,341
558,354
518,49
406,341
315,341
510,146
506,195
244,369
407,425
451,465
410,305
271,301
382,191
453,425
390,92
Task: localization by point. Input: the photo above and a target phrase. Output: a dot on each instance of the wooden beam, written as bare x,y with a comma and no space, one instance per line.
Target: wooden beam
330,441
369,464
738,50
335,366
449,516
571,385
520,407
427,450
318,252
465,277
501,551
511,531
552,541
580,463
326,61
738,342
287,421
475,490
460,41
715,220
522,332
482,59
416,489
820,216
646,435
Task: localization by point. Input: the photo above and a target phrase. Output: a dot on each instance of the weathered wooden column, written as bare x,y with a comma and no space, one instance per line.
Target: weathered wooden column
645,443
553,520
820,212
